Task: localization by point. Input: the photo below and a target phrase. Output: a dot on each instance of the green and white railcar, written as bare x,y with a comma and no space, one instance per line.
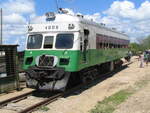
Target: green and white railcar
66,44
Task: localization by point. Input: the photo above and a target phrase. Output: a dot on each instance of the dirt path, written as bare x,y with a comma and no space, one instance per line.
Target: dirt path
87,99
138,103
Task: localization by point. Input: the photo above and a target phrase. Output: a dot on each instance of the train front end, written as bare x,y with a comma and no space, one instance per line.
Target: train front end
51,53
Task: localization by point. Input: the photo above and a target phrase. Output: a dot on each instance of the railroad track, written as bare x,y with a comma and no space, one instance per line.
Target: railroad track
51,99
42,103
15,99
54,97
39,104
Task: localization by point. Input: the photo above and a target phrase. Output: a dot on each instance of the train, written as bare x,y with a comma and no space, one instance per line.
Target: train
68,49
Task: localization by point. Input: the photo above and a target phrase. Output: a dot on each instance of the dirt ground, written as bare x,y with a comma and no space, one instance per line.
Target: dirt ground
138,103
82,102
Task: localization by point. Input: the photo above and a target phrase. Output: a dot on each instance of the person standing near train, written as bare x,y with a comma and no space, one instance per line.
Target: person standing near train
141,60
146,57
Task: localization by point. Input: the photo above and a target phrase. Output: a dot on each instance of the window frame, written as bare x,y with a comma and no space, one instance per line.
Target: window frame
65,34
34,48
44,41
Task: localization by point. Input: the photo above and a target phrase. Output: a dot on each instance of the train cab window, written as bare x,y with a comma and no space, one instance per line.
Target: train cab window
48,42
34,41
64,41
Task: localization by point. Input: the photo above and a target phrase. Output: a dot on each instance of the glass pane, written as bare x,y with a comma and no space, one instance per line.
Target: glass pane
64,41
48,42
34,41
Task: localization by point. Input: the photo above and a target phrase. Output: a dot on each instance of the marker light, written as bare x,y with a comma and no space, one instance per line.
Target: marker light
71,26
30,28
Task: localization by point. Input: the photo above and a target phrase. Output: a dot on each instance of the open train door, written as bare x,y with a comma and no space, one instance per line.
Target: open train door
84,45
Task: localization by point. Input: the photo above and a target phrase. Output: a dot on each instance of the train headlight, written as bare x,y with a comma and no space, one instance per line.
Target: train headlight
64,61
71,26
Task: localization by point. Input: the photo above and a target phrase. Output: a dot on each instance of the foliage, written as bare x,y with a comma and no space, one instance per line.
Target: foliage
135,48
144,44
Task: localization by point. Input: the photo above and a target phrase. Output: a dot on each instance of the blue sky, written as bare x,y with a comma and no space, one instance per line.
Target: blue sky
82,6
129,16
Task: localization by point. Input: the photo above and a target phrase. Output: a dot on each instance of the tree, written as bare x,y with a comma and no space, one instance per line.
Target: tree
135,48
146,43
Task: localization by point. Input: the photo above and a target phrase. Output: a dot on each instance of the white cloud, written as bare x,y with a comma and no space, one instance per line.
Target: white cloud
14,18
37,19
18,6
127,9
124,16
15,13
95,17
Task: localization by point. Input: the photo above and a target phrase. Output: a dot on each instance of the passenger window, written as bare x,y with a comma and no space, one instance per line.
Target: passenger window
48,42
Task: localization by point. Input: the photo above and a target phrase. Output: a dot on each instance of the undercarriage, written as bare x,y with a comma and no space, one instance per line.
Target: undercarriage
57,79
47,78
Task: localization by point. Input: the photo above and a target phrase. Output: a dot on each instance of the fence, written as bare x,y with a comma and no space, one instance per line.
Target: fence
9,77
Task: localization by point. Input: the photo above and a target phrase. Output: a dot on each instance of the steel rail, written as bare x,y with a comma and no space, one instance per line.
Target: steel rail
15,99
42,103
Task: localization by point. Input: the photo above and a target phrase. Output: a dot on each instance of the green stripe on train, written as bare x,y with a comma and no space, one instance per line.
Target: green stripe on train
76,62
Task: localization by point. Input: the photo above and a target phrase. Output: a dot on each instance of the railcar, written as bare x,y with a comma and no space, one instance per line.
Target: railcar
65,49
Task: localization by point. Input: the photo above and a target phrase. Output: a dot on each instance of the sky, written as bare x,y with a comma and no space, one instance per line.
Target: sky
129,16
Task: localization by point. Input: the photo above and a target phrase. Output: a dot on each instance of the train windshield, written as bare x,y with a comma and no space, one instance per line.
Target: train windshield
34,41
64,41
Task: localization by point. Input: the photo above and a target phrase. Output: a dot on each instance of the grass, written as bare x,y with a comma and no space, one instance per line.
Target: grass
44,108
109,104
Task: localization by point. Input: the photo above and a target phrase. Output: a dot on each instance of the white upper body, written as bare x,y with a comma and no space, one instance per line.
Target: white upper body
69,24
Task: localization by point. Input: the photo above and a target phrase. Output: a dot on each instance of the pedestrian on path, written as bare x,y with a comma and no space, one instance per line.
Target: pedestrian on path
146,57
141,60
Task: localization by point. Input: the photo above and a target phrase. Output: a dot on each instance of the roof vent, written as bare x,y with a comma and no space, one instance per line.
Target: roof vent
80,15
50,16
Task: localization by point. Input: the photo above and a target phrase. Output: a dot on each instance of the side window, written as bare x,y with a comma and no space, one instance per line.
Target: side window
48,42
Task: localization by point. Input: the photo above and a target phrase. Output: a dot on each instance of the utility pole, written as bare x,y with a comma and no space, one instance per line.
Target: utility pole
1,39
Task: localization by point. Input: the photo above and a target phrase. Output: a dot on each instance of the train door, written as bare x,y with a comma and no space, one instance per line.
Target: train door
84,45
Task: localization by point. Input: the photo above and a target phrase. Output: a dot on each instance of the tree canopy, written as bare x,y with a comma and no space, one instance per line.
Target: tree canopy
143,45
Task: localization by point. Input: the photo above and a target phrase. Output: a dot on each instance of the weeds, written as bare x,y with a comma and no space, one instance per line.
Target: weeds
109,104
